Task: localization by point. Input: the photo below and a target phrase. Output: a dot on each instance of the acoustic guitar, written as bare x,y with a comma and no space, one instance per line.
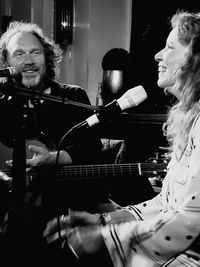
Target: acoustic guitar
151,168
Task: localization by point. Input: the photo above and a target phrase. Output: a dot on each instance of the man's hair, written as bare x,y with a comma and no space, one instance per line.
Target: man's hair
52,51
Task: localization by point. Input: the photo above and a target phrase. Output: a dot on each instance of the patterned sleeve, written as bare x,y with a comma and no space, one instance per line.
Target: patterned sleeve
156,239
147,209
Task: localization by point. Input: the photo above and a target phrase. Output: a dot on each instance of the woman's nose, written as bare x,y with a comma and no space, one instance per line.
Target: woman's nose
158,56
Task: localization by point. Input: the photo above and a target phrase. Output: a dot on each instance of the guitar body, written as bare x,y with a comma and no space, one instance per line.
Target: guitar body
6,153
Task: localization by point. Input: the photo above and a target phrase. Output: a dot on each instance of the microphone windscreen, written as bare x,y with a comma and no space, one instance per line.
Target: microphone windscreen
133,97
9,71
12,70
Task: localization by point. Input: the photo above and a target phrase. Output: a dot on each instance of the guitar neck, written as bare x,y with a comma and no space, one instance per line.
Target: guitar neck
80,172
73,172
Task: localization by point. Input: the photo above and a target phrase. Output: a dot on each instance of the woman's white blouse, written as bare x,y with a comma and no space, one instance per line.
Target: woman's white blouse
167,227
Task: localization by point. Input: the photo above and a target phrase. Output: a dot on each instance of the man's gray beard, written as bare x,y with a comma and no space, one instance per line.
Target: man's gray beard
34,83
19,82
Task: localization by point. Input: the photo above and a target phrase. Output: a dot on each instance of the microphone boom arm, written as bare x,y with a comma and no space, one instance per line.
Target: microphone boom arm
37,95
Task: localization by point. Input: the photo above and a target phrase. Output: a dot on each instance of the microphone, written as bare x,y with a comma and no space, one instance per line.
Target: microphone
7,72
133,97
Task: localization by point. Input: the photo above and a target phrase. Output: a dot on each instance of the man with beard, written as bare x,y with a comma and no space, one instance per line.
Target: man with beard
33,60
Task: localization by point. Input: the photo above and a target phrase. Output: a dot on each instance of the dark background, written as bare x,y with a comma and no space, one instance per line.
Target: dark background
150,28
149,31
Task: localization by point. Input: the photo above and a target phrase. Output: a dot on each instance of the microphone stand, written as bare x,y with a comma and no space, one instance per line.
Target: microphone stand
19,150
37,95
19,166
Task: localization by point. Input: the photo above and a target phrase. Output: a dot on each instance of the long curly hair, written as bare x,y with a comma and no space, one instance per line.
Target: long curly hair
187,83
52,51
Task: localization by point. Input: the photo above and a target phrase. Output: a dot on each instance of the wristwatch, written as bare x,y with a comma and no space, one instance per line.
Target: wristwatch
104,218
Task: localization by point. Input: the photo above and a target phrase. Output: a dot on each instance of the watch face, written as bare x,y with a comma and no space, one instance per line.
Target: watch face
105,218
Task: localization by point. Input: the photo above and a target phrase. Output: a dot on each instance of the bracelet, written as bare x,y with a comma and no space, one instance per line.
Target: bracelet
104,218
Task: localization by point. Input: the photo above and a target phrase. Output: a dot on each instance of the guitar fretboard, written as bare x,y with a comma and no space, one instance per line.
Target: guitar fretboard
73,172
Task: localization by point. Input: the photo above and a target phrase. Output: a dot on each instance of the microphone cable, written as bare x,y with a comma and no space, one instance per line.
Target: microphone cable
60,218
